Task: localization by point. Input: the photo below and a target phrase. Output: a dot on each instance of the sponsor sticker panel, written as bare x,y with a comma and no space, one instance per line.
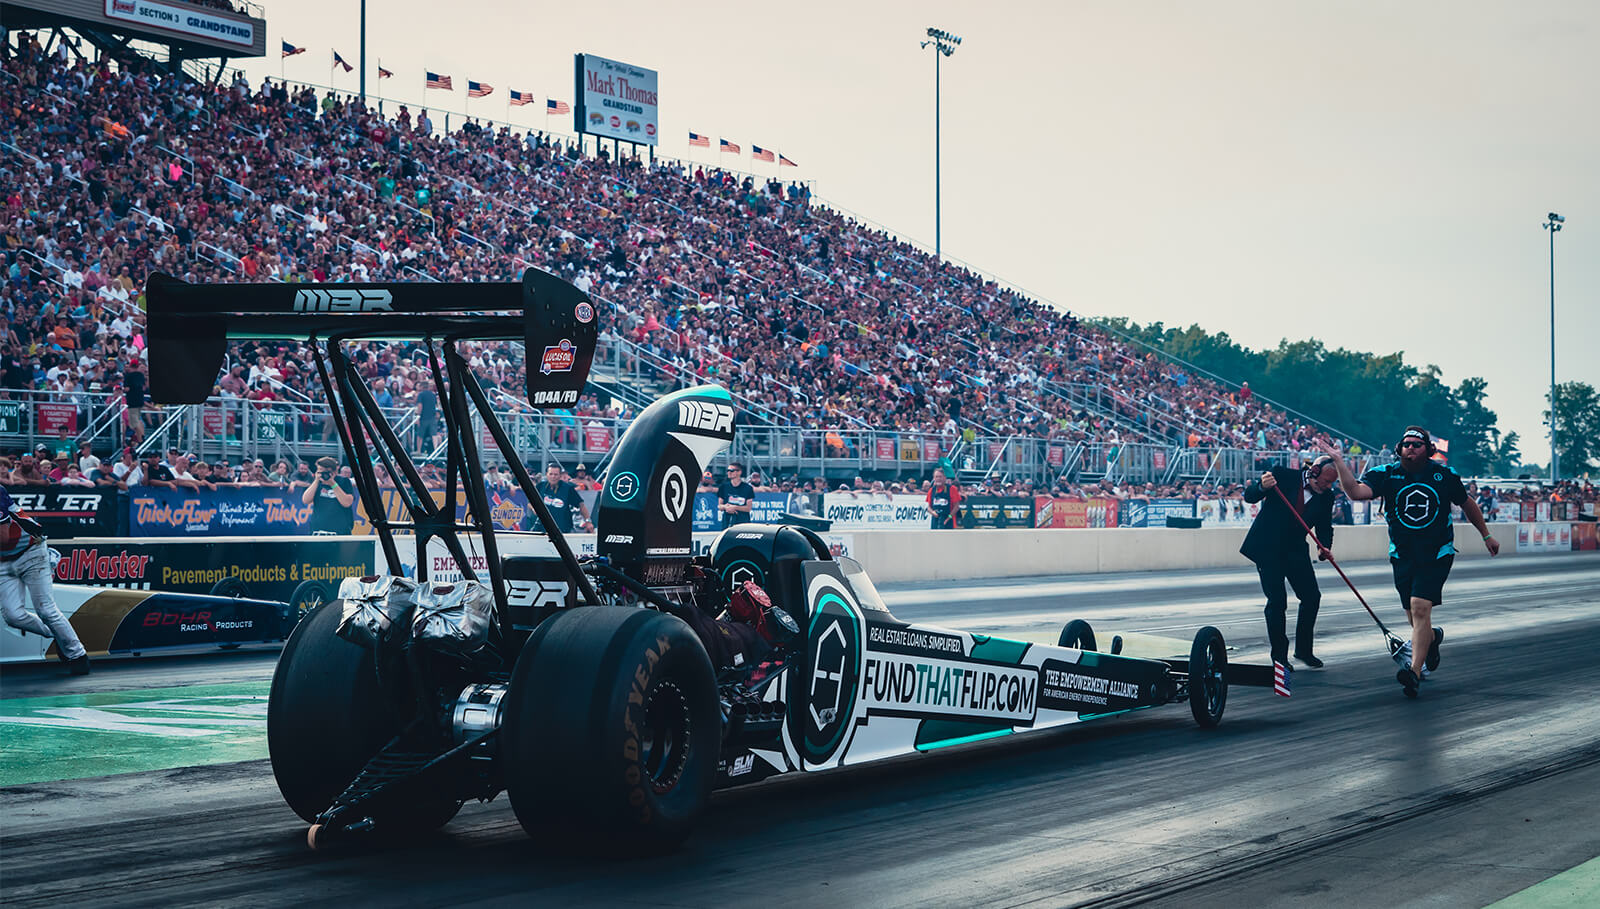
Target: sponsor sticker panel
259,569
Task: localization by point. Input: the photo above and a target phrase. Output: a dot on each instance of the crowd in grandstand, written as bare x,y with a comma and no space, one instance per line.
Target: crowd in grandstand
118,170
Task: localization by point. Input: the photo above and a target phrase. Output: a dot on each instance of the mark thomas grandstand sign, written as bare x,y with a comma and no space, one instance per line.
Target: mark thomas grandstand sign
184,19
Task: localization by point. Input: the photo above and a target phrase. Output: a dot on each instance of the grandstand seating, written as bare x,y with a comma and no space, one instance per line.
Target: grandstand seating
813,318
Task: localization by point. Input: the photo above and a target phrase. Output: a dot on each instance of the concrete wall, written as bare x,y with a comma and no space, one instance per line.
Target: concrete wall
910,555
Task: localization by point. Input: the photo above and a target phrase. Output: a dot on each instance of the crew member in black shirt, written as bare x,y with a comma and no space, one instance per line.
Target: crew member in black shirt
944,501
735,498
561,497
330,497
1417,495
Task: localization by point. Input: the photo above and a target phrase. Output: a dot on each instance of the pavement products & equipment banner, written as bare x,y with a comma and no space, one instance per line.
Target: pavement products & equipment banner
260,569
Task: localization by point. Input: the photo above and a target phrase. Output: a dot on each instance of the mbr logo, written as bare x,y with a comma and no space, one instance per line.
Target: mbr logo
705,415
343,301
537,594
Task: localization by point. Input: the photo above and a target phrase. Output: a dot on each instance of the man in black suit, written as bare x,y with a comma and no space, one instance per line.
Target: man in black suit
1276,543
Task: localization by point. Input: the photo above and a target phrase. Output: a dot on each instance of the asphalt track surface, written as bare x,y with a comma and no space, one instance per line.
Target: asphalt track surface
1345,794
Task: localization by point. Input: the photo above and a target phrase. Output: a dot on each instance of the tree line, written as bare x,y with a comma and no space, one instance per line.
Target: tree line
1338,388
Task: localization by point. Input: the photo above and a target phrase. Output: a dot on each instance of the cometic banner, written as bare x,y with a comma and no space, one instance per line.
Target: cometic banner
996,511
69,511
864,511
259,569
617,100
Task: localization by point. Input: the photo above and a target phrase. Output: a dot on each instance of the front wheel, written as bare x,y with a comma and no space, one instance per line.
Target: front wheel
611,730
1208,685
1078,635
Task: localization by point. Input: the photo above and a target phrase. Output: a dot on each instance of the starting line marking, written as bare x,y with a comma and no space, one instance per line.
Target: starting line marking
91,735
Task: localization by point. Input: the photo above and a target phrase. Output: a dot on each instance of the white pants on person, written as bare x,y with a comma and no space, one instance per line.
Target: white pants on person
30,572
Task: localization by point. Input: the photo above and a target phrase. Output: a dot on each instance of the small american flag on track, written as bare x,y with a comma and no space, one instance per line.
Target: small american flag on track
785,162
699,140
553,106
761,154
729,146
478,89
1280,679
437,81
520,98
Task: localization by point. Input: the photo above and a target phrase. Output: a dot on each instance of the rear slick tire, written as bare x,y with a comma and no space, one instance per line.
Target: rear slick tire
612,731
326,717
1208,682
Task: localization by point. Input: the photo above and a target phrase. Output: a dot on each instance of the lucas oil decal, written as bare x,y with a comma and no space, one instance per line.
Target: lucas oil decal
558,357
922,686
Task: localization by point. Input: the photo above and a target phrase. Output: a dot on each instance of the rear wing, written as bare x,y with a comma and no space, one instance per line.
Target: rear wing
190,325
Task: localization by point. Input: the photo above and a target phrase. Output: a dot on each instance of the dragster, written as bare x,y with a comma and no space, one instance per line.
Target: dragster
609,695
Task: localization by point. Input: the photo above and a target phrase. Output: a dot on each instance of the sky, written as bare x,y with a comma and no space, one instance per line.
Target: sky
1370,174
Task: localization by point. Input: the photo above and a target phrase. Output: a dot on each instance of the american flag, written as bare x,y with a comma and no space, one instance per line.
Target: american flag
437,81
761,154
1280,679
729,146
339,61
698,140
478,89
289,50
384,73
785,162
520,98
553,106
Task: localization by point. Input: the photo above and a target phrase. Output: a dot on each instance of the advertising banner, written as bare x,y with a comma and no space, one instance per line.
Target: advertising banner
862,511
885,448
1226,511
765,510
931,450
1530,511
1542,511
910,450
1078,513
1584,536
11,416
1361,512
69,511
265,511
996,511
259,569
1140,512
616,100
185,19
1055,455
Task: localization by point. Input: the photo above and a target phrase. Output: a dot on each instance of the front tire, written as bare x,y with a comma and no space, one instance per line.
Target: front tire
327,716
611,731
1078,635
1208,683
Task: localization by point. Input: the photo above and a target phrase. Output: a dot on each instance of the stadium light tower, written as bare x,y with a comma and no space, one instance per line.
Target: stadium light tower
944,44
1552,225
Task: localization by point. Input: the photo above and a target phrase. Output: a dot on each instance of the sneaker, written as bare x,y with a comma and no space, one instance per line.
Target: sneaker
79,666
1432,660
1309,660
1408,680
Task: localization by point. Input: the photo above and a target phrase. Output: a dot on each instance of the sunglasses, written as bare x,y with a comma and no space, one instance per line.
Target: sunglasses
1412,445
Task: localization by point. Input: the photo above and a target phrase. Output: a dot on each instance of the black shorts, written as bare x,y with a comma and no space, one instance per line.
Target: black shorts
1422,578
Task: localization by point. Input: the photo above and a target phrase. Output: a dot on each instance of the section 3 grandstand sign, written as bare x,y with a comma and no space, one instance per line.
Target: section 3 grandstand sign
185,19
615,99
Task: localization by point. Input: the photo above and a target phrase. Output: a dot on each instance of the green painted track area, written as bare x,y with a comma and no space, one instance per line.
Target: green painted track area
77,736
